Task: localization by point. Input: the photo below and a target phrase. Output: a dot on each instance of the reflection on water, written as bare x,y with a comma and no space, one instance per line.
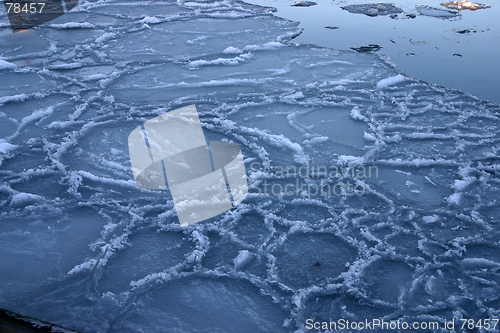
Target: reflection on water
459,53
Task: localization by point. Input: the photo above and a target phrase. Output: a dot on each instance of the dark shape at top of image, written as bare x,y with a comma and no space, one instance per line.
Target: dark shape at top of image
460,5
25,15
304,4
438,13
367,49
374,9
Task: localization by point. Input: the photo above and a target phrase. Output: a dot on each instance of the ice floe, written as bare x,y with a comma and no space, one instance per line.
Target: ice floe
374,9
436,12
304,4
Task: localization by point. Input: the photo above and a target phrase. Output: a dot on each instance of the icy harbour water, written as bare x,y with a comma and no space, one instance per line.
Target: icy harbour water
81,245
425,40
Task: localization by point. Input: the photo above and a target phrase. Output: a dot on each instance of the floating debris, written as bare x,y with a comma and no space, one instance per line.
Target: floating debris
465,31
457,54
304,4
367,49
436,12
331,27
459,5
374,9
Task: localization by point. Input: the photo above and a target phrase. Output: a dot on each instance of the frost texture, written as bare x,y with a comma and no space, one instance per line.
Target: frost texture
83,246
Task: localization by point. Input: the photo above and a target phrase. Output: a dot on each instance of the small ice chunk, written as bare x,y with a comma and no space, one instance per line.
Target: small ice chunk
243,259
12,99
267,46
109,99
37,115
430,219
294,96
94,77
461,185
429,180
218,61
350,160
436,12
86,266
232,50
73,25
72,65
391,81
369,137
6,65
150,20
356,114
304,4
6,147
479,263
316,140
373,9
20,200
105,37
454,199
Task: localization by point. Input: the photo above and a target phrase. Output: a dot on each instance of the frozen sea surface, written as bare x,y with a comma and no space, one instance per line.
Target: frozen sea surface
82,246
